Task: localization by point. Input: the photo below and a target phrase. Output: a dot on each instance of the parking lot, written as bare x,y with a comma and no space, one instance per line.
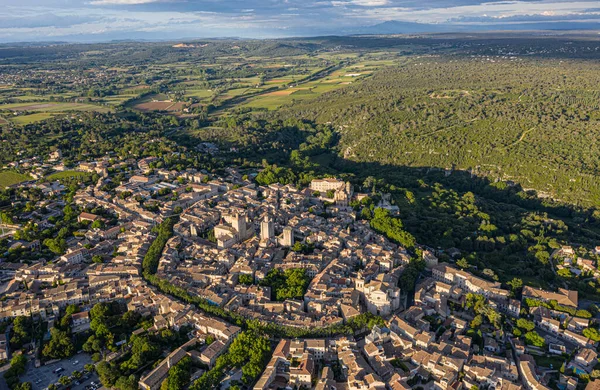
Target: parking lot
42,377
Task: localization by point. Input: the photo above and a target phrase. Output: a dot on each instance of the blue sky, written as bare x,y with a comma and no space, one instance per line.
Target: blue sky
101,20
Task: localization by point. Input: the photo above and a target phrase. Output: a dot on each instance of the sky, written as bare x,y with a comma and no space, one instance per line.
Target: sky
105,20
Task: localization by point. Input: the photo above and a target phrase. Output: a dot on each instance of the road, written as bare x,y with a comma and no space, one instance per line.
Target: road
552,338
3,385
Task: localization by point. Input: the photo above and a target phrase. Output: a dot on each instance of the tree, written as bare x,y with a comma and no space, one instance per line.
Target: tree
382,222
516,285
533,338
64,380
462,263
97,259
526,325
126,383
179,375
477,321
65,321
21,331
24,386
246,279
60,345
592,334
107,373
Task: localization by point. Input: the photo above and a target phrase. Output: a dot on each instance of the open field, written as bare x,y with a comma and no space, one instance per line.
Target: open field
32,118
157,102
53,107
339,78
33,112
8,178
66,174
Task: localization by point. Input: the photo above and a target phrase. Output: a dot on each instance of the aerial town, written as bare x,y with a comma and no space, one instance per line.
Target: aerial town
167,275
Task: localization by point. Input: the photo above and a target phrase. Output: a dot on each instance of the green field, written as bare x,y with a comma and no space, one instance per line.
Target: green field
32,118
8,178
67,174
39,111
53,107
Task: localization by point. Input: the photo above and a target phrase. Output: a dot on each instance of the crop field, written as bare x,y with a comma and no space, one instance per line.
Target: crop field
8,178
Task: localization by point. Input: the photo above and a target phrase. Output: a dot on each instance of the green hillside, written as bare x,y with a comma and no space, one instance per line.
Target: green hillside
535,123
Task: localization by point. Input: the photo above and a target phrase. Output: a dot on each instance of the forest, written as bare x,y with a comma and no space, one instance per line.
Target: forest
531,122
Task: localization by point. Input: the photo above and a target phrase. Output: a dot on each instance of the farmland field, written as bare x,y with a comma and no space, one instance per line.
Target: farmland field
8,178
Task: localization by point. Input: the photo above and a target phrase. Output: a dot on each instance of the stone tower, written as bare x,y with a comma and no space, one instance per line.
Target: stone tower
267,228
288,236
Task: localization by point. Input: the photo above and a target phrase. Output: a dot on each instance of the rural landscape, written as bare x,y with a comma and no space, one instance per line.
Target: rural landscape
340,212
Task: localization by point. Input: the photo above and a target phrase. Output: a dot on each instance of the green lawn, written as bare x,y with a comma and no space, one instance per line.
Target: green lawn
546,361
66,174
8,178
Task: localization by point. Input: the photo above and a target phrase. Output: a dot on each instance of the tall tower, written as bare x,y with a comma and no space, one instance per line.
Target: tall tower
267,228
239,224
288,236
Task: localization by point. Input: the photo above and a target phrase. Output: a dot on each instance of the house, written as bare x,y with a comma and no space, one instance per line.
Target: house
3,347
529,376
87,217
562,297
302,374
585,360
80,322
212,352
155,378
75,257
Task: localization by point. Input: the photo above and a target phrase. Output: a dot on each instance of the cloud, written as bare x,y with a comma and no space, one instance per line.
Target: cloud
170,19
45,20
370,3
123,2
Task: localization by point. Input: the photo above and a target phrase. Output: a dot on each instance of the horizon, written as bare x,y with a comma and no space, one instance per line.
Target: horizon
96,21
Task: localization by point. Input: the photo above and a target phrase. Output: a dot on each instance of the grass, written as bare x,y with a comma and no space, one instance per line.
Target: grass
40,111
8,178
53,107
32,118
546,361
66,174
199,93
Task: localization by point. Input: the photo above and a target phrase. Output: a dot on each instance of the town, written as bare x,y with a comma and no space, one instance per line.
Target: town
166,279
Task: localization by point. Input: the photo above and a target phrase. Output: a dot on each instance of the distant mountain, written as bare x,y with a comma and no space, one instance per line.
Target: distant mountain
400,27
